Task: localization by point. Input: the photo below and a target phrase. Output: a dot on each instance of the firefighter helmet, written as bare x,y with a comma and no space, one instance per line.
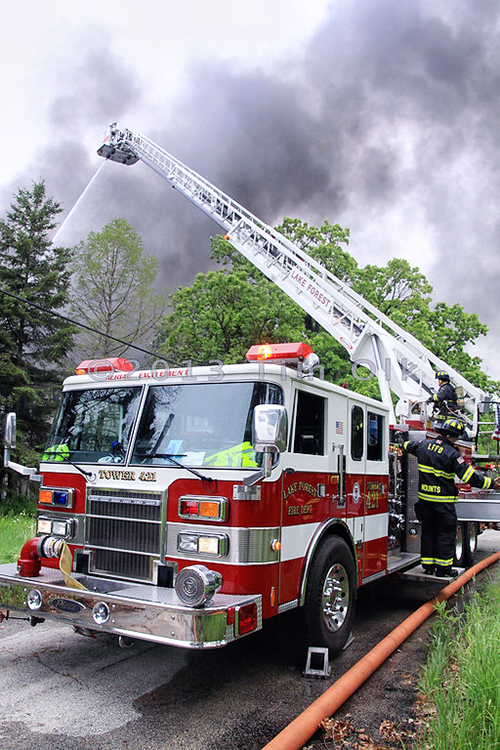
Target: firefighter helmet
451,426
443,375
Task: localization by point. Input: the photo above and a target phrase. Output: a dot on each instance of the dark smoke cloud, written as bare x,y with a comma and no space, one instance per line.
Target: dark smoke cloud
391,104
391,107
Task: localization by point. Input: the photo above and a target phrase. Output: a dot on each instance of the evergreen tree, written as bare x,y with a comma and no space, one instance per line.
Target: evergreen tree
33,341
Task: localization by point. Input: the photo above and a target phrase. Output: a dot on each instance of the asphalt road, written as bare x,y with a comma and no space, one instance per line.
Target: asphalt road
60,690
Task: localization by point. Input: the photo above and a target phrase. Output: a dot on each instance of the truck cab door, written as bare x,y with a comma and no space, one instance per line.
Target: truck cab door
355,480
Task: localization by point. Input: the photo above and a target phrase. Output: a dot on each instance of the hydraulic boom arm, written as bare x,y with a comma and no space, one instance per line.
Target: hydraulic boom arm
401,363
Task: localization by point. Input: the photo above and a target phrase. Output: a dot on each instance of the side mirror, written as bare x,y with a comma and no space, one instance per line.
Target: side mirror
269,428
9,437
10,430
269,435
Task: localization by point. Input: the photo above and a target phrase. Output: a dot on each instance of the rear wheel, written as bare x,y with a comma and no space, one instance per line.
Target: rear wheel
331,596
472,533
461,544
466,543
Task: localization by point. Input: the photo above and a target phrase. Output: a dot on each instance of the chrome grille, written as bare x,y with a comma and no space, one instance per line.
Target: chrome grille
123,532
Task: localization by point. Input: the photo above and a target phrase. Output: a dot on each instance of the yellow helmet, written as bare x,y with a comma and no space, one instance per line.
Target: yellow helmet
451,426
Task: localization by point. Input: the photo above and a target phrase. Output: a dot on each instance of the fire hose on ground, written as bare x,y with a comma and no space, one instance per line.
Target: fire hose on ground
301,729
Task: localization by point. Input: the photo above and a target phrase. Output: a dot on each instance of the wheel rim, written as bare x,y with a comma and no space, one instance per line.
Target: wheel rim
473,538
335,597
459,544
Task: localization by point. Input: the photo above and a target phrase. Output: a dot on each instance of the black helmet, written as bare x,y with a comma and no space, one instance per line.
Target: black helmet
443,375
451,426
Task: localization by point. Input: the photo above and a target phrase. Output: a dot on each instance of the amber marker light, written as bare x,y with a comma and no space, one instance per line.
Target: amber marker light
209,510
45,496
215,509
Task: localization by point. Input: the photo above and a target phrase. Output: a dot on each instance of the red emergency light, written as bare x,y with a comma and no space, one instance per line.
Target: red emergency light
278,352
113,364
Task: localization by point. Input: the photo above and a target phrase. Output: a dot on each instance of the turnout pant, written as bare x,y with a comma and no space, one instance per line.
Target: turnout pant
439,529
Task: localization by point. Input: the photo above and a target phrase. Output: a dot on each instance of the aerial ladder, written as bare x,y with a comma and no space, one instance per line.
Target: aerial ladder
402,364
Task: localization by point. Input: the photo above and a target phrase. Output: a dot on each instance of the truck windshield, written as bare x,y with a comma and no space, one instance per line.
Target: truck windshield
93,425
204,424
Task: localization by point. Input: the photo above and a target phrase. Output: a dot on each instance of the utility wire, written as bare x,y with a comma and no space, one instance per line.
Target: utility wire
82,325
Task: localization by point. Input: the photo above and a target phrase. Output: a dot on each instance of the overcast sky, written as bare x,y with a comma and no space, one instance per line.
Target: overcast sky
381,115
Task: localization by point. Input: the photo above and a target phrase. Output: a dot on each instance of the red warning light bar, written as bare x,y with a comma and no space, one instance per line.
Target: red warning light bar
278,352
113,364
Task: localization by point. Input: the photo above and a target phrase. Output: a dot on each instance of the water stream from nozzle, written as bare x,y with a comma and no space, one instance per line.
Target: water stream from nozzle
80,199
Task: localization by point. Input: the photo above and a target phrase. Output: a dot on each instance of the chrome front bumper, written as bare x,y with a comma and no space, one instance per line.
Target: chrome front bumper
149,613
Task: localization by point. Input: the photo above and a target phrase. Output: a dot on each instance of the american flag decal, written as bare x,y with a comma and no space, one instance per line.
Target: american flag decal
339,428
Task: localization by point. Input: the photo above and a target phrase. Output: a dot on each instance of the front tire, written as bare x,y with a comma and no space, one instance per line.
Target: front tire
331,593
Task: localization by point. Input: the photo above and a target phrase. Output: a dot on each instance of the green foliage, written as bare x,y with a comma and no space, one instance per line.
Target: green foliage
461,679
15,530
452,329
396,290
33,270
227,311
324,245
33,341
113,290
18,504
221,315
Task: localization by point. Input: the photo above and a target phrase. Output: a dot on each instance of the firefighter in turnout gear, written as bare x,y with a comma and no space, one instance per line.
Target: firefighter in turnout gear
445,400
438,463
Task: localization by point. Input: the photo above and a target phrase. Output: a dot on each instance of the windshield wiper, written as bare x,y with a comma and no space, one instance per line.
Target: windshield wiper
65,458
170,457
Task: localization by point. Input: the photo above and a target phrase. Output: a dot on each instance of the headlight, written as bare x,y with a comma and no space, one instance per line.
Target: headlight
196,585
60,528
44,526
187,542
64,527
34,599
216,545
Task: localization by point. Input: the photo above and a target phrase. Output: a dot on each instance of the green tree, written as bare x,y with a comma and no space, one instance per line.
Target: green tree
113,291
221,315
224,313
33,341
396,290
324,244
452,329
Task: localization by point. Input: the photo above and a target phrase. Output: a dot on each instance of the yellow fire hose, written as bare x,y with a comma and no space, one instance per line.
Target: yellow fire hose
65,563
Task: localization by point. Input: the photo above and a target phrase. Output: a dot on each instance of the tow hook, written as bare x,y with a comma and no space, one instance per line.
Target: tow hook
7,616
125,642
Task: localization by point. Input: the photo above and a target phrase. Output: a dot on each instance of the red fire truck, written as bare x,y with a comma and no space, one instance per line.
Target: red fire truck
185,505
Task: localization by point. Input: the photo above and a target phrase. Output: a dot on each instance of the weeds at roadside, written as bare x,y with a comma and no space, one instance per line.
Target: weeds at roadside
460,684
15,530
